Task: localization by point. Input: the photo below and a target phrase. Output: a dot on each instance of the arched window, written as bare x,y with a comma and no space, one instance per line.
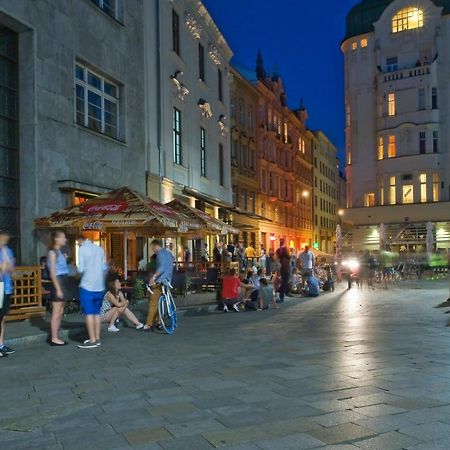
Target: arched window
407,19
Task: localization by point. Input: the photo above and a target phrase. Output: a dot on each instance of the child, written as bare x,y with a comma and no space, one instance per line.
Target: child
266,296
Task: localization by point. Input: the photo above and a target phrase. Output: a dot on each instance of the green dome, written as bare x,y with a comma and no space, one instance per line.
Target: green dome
361,17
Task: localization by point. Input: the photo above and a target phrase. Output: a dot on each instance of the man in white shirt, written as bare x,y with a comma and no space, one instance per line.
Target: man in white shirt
92,267
307,260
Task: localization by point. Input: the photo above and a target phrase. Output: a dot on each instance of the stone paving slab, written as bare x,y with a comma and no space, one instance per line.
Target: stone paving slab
344,371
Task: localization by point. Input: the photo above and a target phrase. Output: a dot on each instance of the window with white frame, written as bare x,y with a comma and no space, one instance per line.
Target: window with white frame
97,101
110,7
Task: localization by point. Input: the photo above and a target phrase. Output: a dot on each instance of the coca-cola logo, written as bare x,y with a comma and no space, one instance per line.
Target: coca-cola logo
104,208
92,226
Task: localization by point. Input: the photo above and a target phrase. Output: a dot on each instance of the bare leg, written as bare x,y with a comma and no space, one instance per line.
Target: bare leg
55,322
97,327
2,331
111,316
131,317
91,327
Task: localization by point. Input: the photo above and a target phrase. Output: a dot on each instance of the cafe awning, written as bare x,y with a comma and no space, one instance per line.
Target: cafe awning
210,223
120,210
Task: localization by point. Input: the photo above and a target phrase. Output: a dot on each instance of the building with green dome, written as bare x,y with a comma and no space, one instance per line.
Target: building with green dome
397,95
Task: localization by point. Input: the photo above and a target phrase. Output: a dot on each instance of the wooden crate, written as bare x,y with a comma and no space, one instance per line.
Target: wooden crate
27,298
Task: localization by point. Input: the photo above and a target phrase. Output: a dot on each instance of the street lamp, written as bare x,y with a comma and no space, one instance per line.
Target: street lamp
305,194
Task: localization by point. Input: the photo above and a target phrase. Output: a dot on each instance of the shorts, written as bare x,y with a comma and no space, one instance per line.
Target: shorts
63,281
91,302
6,305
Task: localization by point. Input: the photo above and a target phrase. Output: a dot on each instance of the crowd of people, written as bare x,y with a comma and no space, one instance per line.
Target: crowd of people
99,289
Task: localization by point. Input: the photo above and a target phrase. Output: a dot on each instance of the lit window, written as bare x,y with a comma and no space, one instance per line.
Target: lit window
391,104
369,200
286,132
423,187
407,19
392,148
380,148
97,102
435,187
354,46
349,157
363,43
392,191
381,189
408,194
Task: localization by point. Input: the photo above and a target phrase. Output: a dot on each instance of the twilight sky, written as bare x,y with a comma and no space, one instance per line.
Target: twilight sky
301,38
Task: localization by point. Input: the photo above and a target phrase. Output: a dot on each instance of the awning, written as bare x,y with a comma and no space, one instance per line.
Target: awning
120,210
212,224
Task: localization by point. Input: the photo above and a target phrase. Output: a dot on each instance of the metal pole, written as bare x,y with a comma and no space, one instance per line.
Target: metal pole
125,254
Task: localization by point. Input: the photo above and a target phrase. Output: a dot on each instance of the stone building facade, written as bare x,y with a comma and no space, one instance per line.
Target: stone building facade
72,107
326,192
397,60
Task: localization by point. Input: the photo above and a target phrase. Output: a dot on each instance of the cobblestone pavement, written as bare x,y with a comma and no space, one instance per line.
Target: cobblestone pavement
349,370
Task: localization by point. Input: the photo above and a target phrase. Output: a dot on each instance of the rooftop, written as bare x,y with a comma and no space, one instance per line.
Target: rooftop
362,16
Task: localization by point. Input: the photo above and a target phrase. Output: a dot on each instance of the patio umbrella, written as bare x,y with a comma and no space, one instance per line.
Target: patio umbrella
209,223
121,210
383,236
430,238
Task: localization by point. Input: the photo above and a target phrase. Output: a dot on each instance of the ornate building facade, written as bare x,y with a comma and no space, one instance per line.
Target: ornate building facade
397,60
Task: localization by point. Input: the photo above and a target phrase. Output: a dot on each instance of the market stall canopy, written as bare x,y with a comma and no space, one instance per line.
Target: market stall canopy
210,223
119,210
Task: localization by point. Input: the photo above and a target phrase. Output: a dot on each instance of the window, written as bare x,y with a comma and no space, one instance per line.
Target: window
97,102
421,100
201,62
407,19
422,142
347,114
286,132
235,193
354,46
177,147
220,84
391,104
423,187
202,152
250,122
363,43
392,191
349,157
241,113
380,147
391,64
369,200
434,98
252,202
221,166
233,108
408,194
108,6
244,199
435,142
435,187
381,190
392,148
175,32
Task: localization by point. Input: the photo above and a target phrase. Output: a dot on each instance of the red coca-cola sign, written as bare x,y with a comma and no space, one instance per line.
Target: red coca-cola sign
102,208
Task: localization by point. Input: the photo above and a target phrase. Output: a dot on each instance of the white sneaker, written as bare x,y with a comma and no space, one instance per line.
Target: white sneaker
140,326
225,308
236,307
113,329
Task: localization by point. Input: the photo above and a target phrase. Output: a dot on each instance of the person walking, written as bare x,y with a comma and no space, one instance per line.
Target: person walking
92,267
6,270
163,273
59,292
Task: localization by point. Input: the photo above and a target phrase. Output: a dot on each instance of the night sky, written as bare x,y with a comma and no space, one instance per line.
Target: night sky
301,39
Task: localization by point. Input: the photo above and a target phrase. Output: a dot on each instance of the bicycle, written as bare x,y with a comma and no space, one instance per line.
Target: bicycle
166,307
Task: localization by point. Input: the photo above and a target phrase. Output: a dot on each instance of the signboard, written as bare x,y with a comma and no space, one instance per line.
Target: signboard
316,245
103,208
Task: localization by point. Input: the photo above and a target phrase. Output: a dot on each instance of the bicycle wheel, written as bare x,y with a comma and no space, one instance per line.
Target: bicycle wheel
173,309
166,314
